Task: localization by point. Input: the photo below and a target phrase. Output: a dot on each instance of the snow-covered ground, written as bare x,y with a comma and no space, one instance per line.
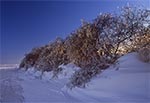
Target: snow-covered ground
8,66
10,88
44,89
130,83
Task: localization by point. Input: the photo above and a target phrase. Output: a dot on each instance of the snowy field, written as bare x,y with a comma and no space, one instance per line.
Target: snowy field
127,82
8,66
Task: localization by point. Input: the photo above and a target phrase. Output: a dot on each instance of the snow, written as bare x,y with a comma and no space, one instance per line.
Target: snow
47,76
37,90
30,71
68,70
130,83
8,66
10,88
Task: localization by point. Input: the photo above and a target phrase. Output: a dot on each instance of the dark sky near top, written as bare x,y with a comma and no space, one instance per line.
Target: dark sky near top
28,24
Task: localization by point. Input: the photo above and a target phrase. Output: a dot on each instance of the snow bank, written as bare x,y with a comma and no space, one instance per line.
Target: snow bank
131,83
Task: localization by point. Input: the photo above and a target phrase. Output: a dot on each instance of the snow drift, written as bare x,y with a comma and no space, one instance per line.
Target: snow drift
129,81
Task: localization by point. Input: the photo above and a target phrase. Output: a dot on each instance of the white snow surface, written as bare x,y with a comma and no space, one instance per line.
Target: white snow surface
130,83
68,70
8,66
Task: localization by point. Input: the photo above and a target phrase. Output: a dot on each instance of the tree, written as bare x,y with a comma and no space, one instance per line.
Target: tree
95,45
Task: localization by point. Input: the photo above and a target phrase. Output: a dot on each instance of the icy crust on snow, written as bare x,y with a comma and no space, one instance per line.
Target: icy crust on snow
130,83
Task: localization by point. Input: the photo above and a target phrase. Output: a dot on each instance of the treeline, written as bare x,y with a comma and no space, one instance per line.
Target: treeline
94,46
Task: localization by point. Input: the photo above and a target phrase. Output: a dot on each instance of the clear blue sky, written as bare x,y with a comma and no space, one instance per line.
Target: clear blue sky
29,24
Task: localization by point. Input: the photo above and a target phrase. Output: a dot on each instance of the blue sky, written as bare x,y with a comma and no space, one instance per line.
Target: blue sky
28,24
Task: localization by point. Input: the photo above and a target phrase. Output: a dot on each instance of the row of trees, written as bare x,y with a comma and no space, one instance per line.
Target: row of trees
94,46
